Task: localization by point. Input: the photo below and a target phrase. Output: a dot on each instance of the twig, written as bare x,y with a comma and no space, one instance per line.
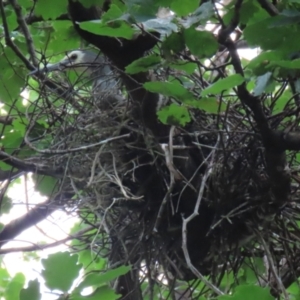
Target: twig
38,247
9,41
190,218
174,174
272,267
22,23
78,149
37,168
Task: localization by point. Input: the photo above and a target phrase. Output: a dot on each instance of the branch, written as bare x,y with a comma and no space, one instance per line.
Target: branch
9,41
34,216
275,142
269,7
29,167
37,247
6,120
22,23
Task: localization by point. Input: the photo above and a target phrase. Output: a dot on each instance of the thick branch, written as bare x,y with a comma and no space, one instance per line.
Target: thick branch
272,140
28,166
37,247
269,7
34,216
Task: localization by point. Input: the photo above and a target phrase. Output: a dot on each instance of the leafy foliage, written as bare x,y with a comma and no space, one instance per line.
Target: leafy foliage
232,140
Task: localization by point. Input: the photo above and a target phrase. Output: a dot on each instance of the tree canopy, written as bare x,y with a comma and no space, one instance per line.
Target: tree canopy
183,171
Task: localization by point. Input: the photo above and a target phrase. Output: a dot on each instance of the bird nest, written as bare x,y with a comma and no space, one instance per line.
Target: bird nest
197,203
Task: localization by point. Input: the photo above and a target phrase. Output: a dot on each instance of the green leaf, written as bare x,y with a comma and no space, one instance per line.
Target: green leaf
6,204
89,3
91,262
248,292
98,279
288,64
141,10
252,267
201,43
11,140
188,67
284,99
208,104
247,11
143,64
63,38
174,43
46,185
270,38
4,276
50,9
11,19
5,167
113,29
12,79
261,64
170,89
261,83
32,292
14,287
103,292
200,15
114,13
183,8
164,26
174,114
223,84
60,270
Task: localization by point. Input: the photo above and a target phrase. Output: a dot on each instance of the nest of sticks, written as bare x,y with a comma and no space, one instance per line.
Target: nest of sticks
198,203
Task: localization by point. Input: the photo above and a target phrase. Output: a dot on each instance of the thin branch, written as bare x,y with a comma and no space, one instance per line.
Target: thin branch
40,169
78,149
191,217
9,41
37,247
35,215
268,7
22,23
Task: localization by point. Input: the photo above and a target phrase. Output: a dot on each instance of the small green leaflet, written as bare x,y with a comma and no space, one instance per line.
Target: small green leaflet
223,85
208,104
184,7
170,89
97,279
248,292
262,83
14,287
174,114
60,270
102,292
164,26
46,185
50,9
113,29
32,292
289,64
200,15
201,43
188,67
143,64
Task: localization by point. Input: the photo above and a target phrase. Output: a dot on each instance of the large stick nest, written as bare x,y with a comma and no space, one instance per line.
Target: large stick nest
198,202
